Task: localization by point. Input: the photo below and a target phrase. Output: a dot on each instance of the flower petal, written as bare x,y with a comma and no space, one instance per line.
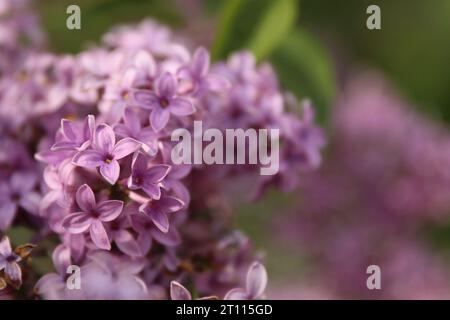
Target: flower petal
236,294
166,85
256,280
124,147
61,258
200,62
157,173
109,210
181,107
145,99
110,171
69,130
77,222
12,270
22,182
127,244
85,198
152,190
99,235
178,292
132,121
104,138
159,118
7,213
88,159
170,204
5,246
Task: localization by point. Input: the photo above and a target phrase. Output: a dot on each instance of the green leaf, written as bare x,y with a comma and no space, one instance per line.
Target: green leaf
305,69
258,25
20,235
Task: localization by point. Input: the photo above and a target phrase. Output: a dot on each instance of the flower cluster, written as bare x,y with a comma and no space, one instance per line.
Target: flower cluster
386,182
100,122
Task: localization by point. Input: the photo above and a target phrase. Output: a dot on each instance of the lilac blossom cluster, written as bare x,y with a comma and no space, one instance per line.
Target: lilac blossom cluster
98,125
386,181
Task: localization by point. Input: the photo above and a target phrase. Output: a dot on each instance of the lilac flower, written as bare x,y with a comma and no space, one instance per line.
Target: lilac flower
9,261
132,128
119,232
18,192
197,74
53,286
147,231
172,182
92,216
108,276
158,210
164,101
147,179
106,152
76,135
255,284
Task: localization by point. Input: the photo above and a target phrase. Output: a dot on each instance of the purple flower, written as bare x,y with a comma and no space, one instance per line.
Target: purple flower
158,210
255,284
75,135
18,192
53,286
92,216
132,128
119,232
197,74
147,179
147,231
106,152
164,101
9,261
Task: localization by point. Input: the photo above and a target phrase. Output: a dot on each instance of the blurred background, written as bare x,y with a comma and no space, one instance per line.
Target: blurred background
382,195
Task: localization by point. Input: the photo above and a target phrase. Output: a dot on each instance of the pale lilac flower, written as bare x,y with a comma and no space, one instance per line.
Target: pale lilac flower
255,285
147,232
76,135
9,261
132,128
106,153
198,75
108,276
163,101
17,192
119,232
53,286
92,216
147,178
159,210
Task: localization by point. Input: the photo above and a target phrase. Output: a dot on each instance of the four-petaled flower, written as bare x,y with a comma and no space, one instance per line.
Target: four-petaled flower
158,210
163,101
106,152
132,128
92,216
147,179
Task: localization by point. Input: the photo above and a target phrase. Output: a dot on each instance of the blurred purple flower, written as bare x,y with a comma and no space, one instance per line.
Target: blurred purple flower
163,101
158,210
255,285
